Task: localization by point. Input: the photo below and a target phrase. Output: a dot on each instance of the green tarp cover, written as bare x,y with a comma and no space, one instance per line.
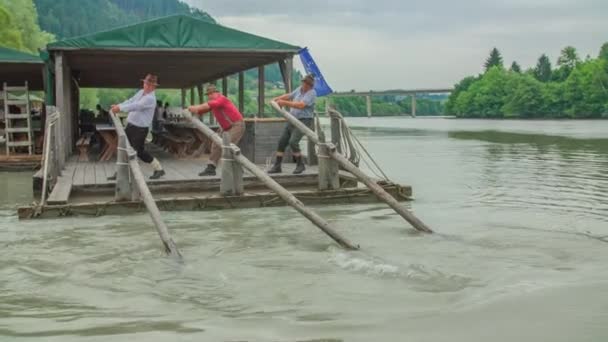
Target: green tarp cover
13,56
173,32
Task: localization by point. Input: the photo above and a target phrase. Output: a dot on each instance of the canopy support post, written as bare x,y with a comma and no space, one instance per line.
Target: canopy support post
261,88
241,92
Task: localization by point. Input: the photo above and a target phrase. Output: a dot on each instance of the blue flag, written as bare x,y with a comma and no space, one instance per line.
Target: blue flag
321,87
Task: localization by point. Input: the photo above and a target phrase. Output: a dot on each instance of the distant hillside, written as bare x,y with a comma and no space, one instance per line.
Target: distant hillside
70,18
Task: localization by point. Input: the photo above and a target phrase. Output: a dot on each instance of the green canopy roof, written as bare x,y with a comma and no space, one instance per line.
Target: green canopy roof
13,56
18,67
182,50
173,32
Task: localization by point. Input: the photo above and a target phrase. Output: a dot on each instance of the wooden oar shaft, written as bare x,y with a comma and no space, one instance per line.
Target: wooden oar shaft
161,227
288,197
350,167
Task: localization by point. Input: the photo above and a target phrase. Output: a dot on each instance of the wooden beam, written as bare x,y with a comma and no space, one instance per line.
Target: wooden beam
59,100
225,86
232,172
241,92
199,90
274,186
286,67
122,188
261,89
350,167
329,176
214,202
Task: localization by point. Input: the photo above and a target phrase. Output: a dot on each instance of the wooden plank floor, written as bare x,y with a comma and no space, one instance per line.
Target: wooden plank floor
94,174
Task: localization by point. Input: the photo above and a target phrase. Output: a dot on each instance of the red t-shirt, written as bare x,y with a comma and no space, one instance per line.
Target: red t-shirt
225,111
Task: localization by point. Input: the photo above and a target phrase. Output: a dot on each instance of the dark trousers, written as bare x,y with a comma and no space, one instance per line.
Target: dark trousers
137,139
292,135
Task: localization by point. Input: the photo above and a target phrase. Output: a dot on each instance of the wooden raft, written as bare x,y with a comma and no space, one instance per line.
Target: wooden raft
212,200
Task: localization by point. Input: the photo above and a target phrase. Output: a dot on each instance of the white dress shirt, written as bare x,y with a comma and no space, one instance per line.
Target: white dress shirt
141,108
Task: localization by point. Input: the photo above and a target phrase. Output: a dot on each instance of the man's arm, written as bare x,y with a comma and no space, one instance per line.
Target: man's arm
200,109
282,97
145,102
131,99
115,108
307,100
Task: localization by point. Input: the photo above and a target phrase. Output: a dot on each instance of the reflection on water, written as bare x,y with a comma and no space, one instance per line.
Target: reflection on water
545,172
520,255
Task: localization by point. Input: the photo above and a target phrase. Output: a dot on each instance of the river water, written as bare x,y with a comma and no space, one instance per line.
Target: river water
521,252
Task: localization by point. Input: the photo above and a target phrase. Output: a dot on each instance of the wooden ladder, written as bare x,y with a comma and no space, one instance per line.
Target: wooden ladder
14,121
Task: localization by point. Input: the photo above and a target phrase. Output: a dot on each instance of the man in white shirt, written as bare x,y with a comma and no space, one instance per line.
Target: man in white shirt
141,108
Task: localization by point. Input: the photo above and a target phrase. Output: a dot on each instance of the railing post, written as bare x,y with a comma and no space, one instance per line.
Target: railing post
335,131
123,185
57,150
329,177
313,159
232,172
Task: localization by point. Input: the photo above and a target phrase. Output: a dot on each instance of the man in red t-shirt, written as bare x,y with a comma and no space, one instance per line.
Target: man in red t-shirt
229,118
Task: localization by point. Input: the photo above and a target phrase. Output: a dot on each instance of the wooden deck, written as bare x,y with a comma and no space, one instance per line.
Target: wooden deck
95,174
83,189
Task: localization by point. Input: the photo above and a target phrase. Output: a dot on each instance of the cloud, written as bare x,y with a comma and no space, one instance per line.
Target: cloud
412,44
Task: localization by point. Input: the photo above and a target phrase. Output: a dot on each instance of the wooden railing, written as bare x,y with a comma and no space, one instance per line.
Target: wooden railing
52,164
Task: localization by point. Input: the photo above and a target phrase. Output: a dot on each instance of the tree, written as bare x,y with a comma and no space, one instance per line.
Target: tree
460,87
604,51
26,21
568,58
515,67
567,61
9,35
495,59
543,71
524,97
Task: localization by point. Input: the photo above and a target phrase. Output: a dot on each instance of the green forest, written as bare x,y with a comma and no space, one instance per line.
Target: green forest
574,88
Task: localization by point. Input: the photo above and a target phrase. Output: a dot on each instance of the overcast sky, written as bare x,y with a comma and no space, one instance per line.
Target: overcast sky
387,44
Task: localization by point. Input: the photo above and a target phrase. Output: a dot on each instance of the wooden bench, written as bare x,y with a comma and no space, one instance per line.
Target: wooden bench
177,145
83,145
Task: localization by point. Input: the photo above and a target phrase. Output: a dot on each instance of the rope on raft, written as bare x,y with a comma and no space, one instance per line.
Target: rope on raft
352,147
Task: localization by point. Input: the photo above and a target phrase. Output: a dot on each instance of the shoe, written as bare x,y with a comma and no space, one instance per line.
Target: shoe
157,174
112,178
209,171
300,166
276,168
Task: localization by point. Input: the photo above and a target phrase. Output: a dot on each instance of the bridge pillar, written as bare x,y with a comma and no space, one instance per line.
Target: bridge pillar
368,98
414,105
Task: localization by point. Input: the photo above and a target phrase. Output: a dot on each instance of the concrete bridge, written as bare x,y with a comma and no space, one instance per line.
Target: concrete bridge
409,92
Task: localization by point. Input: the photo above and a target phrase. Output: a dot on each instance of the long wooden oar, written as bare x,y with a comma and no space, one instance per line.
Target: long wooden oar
350,167
169,245
288,197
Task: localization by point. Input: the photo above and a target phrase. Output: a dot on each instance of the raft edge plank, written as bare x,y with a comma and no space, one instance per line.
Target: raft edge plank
217,202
